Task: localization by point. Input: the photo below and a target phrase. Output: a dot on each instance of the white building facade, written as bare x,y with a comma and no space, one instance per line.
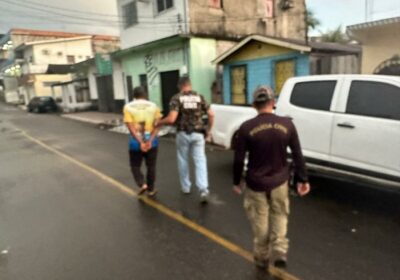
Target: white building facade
148,20
35,58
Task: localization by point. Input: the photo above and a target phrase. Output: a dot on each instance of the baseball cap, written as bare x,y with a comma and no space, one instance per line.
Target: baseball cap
263,94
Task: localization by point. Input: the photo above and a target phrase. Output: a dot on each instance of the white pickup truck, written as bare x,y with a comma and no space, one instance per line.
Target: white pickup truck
349,125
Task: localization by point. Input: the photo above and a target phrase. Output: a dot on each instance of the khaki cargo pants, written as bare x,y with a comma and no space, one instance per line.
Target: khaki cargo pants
268,217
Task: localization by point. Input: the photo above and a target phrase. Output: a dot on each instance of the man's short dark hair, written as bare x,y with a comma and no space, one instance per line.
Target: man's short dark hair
139,92
183,81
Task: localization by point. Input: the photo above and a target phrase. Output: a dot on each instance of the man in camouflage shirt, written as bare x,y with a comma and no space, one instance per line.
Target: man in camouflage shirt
187,109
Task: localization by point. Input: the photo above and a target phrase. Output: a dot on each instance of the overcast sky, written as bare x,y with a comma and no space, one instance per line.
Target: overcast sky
103,20
348,12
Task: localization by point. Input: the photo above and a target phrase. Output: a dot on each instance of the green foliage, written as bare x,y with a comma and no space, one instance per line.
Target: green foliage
335,36
312,21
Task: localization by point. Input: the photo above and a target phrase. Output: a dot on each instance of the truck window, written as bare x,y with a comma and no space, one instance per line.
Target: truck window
374,99
313,95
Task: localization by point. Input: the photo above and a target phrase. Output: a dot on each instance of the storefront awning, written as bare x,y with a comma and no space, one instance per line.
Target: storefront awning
61,69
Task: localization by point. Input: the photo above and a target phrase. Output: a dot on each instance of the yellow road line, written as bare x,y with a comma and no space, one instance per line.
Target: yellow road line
165,210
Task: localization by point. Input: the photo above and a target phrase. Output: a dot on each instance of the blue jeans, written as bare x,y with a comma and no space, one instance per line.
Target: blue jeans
193,144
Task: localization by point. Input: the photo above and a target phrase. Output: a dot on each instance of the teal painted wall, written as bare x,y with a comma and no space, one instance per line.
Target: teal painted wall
152,61
202,71
191,57
262,72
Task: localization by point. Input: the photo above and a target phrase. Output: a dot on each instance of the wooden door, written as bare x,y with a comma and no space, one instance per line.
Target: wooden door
239,85
284,70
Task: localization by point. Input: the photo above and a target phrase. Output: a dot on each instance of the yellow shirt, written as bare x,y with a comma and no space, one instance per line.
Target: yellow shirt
143,114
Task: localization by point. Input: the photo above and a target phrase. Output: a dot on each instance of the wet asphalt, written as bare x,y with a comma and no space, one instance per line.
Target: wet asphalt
59,221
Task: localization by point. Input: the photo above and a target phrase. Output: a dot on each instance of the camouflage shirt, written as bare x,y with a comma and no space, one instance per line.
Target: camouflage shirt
191,107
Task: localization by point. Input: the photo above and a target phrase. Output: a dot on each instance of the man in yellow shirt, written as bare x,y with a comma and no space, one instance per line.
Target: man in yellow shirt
140,117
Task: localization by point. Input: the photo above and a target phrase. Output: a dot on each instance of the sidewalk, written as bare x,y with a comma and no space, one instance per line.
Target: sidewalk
110,121
97,118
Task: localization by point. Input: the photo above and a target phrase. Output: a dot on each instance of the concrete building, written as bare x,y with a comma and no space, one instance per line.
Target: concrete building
38,48
380,42
232,18
74,95
90,85
35,57
154,20
162,40
158,65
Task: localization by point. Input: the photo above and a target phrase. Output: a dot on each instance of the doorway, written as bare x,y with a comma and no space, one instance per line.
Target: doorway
169,87
105,91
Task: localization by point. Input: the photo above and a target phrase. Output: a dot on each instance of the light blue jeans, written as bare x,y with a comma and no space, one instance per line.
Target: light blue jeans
193,144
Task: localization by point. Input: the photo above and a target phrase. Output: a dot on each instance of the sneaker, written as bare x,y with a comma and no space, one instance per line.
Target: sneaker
204,197
152,193
143,189
185,192
280,259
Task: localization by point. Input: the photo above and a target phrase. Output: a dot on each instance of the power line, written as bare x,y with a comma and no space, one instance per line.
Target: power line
53,12
72,10
78,14
47,20
171,21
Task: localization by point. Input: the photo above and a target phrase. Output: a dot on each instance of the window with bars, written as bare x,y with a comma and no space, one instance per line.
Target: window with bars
163,5
130,14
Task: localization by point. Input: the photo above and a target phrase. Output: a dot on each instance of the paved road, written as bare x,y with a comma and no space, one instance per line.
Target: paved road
60,221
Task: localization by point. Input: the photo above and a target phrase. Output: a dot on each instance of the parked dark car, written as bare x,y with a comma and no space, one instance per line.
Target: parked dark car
42,104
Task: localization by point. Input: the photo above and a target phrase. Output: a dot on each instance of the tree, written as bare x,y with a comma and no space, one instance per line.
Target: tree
312,21
335,36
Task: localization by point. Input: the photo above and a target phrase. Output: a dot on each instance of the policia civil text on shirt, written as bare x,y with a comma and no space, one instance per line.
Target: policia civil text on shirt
187,109
140,116
266,138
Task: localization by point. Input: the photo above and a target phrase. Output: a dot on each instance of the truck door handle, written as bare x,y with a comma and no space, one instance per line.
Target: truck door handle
346,125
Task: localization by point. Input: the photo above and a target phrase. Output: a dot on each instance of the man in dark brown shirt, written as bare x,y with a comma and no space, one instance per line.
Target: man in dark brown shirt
266,138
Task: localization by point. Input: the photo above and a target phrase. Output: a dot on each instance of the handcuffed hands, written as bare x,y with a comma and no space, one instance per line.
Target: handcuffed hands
145,146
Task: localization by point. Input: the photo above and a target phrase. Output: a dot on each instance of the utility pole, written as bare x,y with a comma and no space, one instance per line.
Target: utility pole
368,9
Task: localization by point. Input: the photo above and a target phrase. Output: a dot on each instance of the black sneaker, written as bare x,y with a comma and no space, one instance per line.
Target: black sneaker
280,259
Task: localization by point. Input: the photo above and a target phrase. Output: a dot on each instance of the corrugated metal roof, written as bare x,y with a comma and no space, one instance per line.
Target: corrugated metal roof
60,34
290,44
293,44
52,41
374,23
